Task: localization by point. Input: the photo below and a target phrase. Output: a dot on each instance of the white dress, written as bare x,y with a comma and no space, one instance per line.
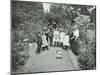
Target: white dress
56,36
66,40
62,34
44,41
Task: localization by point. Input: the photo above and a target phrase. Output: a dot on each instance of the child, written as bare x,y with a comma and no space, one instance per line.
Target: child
66,41
56,36
61,37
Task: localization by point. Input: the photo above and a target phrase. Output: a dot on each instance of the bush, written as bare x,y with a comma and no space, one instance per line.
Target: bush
87,58
19,51
19,55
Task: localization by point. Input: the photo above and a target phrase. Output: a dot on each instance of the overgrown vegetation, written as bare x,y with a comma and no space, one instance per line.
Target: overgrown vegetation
87,57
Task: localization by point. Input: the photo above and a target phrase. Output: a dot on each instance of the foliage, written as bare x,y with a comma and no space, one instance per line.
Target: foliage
19,53
82,20
87,58
26,22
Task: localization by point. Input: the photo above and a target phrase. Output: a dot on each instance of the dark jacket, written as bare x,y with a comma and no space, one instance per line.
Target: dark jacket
39,39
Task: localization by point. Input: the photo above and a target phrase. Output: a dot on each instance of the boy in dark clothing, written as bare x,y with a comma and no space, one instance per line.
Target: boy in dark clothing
39,43
50,34
47,36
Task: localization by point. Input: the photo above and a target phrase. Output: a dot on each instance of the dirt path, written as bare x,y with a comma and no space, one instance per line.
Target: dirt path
46,61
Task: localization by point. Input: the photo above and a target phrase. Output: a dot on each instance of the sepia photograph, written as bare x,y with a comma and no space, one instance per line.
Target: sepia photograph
52,37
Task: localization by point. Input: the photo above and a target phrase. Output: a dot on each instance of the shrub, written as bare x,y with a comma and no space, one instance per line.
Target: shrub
87,58
19,51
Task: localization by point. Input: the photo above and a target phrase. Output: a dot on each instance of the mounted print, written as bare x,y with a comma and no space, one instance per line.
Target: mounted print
52,37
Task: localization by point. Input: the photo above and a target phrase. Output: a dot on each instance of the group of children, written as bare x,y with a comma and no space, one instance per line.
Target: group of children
61,38
57,37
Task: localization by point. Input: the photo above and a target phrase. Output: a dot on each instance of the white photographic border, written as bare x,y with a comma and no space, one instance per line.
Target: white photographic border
5,37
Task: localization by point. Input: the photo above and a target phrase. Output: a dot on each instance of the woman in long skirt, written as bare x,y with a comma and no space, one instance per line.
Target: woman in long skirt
73,41
44,42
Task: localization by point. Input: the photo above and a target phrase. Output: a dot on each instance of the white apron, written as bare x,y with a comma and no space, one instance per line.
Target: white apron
66,40
56,36
76,33
44,41
62,34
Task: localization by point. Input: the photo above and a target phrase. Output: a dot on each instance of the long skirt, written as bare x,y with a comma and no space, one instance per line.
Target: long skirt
74,47
39,46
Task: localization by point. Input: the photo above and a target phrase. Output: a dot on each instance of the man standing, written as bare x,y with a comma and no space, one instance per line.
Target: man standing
47,35
39,42
50,34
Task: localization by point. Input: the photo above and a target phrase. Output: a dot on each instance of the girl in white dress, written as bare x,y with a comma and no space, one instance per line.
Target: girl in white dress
62,34
66,41
56,37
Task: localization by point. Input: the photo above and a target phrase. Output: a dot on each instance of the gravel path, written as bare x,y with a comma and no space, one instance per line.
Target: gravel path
46,61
